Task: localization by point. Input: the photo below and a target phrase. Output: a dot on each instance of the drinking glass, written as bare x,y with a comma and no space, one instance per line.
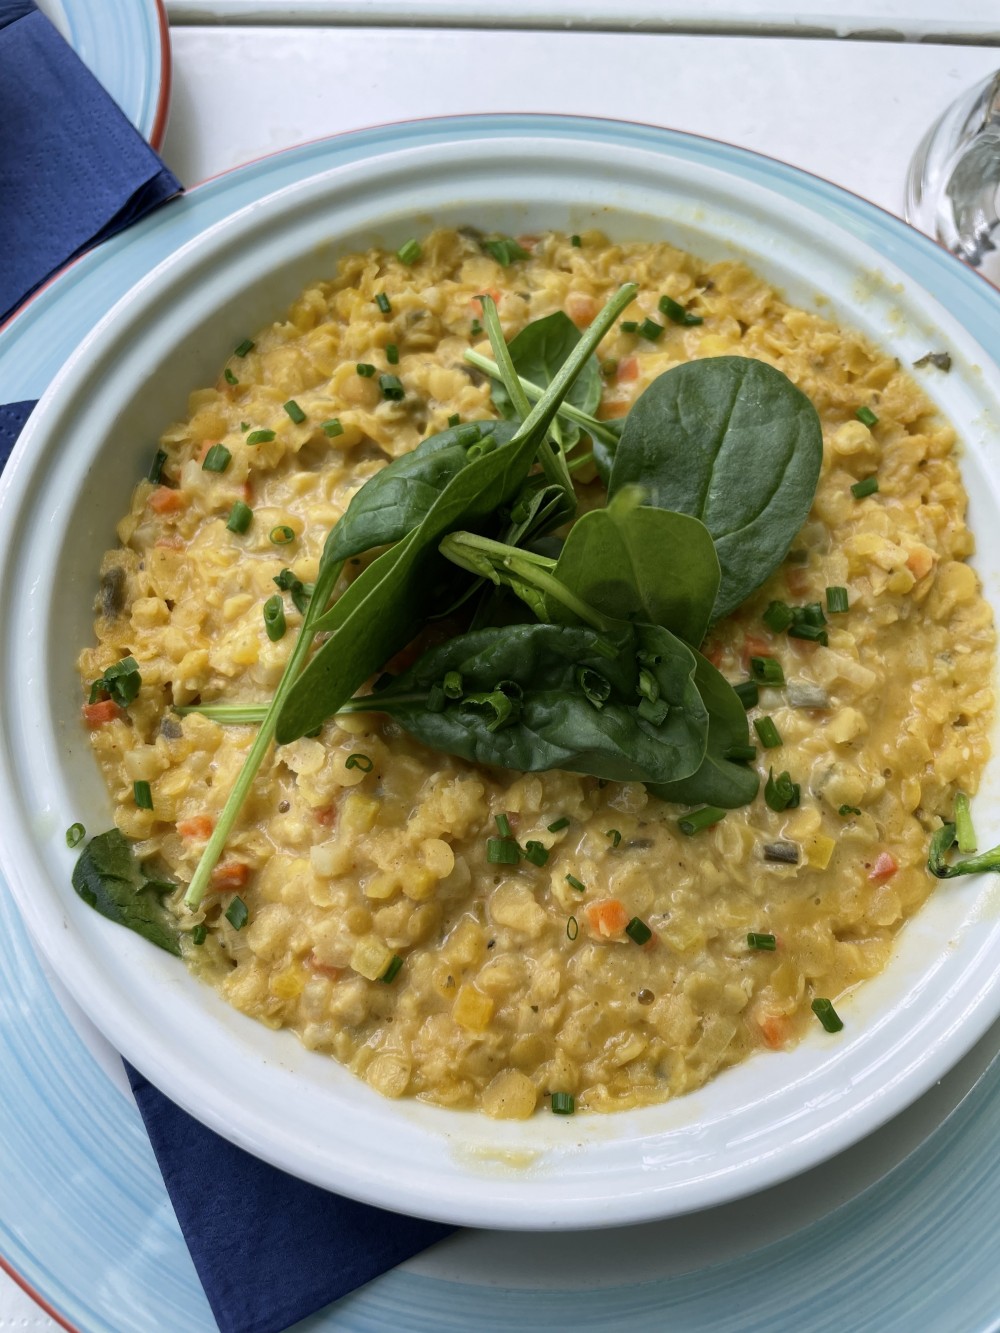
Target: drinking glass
953,187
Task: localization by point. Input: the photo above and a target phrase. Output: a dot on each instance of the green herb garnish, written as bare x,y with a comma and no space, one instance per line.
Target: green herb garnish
75,834
237,914
142,795
383,303
332,427
558,825
244,348
156,467
392,970
837,601
697,820
281,535
361,761
217,459
505,250
392,354
230,378
240,517
676,312
767,732
846,810
867,486
780,792
638,930
767,671
758,941
866,416
260,437
392,388
563,1103
575,883
274,618
827,1015
615,836
294,411
365,369
502,852
409,252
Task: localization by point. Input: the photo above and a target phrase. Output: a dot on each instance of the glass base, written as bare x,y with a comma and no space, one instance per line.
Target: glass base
953,185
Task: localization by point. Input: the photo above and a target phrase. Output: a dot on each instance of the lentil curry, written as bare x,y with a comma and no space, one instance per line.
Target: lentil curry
625,960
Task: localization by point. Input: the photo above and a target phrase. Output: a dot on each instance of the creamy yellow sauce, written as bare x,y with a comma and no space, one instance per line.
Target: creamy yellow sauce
509,991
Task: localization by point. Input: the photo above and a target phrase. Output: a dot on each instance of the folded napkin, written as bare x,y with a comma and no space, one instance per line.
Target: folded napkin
73,171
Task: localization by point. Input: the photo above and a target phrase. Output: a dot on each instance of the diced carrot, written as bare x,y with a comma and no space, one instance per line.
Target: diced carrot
581,308
487,291
797,580
327,816
607,917
198,827
628,369
775,1029
617,407
95,715
755,646
324,969
230,875
884,868
714,651
163,500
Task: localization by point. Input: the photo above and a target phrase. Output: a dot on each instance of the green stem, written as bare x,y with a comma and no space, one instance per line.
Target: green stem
262,742
590,424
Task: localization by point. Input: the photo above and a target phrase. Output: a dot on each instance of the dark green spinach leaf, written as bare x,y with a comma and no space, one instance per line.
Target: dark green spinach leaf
528,701
538,352
108,879
734,443
719,781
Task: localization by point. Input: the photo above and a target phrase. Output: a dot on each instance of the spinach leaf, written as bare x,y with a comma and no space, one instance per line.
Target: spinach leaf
719,781
605,446
538,352
528,701
395,500
379,612
734,443
108,879
638,563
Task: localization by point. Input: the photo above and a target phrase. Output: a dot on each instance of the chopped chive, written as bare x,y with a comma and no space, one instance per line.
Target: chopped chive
382,301
200,933
574,883
75,834
759,941
846,810
964,832
767,671
638,930
827,1015
535,852
274,618
609,368
782,853
740,754
575,241
558,825
505,250
747,693
359,761
615,836
240,517
780,792
455,419
503,826
867,486
365,369
156,467
281,535
675,311
294,411
563,1103
237,914
801,629
629,326
700,819
836,601
476,329
866,416
392,388
217,459
942,360
142,795
572,928
332,427
767,732
229,376
392,971
650,330
778,616
260,437
502,852
392,354
244,348
409,252
452,685
244,427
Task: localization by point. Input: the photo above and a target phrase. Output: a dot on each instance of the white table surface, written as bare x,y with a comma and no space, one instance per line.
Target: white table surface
852,111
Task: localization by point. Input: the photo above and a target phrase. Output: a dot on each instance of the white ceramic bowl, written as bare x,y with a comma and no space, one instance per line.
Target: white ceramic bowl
70,479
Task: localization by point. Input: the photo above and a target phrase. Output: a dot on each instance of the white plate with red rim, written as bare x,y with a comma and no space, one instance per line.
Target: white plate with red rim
772,1117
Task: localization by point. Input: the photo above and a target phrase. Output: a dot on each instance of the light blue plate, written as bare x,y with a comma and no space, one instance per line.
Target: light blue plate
126,46
84,1217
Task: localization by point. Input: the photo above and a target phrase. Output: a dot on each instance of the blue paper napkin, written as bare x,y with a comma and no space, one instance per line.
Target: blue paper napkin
73,170
269,1249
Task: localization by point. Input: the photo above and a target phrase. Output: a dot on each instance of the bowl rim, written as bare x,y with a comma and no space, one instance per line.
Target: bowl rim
50,406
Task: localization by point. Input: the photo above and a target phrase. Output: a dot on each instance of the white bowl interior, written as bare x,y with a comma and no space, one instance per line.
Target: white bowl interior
93,436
